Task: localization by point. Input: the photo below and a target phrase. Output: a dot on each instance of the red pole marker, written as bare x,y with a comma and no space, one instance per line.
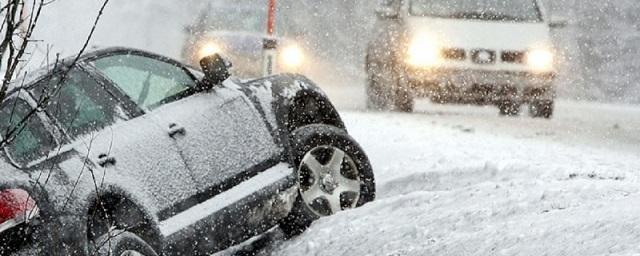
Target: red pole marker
270,44
271,17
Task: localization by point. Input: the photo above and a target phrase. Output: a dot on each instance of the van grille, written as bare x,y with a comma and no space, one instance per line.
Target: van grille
483,56
454,54
517,57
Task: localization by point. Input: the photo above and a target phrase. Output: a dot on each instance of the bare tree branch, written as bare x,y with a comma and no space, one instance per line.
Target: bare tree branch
14,60
13,47
44,99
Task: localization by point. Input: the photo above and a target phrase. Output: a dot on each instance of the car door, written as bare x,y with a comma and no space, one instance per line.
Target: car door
220,134
129,147
225,139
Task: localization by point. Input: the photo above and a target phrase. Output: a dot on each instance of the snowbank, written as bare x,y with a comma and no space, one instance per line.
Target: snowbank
452,190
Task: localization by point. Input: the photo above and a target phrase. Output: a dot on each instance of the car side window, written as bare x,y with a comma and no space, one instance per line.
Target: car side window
147,81
28,140
79,103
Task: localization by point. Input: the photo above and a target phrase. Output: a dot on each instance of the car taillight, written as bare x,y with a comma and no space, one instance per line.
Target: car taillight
16,207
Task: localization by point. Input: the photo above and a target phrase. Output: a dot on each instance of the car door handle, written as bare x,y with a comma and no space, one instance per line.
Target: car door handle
175,129
105,160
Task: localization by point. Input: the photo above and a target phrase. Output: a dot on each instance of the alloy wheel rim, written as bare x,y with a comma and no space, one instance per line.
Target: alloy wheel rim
329,180
131,253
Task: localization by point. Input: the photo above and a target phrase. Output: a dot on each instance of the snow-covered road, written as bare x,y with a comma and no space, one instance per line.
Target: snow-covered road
460,180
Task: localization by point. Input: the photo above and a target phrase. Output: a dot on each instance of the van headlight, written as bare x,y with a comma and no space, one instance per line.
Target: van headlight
423,52
292,56
540,60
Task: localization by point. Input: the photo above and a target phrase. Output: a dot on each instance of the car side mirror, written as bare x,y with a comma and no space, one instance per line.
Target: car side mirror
387,13
215,69
558,23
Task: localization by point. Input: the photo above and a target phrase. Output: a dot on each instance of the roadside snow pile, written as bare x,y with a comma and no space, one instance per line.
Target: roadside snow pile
449,191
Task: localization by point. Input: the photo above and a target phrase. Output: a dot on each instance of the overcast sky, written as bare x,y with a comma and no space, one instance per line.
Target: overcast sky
155,25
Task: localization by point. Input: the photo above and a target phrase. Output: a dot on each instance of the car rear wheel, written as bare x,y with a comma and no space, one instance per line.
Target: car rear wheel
122,243
334,174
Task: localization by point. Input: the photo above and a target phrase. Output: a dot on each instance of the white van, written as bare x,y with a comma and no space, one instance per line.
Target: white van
463,51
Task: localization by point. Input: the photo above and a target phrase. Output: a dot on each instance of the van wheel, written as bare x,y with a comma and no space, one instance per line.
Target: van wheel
541,109
509,108
404,99
377,95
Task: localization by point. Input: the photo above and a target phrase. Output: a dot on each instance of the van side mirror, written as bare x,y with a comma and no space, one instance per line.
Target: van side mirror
558,23
387,13
215,69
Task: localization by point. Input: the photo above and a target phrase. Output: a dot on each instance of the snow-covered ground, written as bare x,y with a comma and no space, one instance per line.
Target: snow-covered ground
460,180
462,183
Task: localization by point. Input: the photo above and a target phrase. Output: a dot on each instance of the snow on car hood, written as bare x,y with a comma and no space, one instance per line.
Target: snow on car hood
472,34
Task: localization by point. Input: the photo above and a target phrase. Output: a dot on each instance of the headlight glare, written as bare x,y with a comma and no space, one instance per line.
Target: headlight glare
423,52
292,56
208,49
540,59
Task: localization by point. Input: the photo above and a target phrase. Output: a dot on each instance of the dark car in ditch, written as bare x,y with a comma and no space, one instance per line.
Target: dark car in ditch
124,152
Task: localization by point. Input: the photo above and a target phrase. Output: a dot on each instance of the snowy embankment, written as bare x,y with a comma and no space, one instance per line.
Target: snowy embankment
475,184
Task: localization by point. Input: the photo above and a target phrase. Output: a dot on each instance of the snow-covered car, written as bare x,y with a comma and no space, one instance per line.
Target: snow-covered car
238,32
481,52
138,153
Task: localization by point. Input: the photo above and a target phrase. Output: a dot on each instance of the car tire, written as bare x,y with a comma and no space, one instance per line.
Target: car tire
118,242
318,141
377,96
440,96
541,109
509,108
404,100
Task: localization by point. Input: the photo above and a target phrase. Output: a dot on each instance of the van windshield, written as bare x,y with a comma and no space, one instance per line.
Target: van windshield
494,10
236,19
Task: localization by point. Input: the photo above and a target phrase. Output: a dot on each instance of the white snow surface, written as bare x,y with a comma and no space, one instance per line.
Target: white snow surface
463,181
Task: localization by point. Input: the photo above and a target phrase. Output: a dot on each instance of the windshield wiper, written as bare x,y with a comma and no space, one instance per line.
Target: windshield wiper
484,16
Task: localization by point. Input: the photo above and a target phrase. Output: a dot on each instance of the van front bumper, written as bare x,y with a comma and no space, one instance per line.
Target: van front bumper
482,86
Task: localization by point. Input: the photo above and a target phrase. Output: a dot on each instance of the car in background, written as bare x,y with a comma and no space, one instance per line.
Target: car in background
457,51
129,153
238,32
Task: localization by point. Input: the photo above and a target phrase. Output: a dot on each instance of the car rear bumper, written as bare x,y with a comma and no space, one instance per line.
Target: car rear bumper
66,237
17,240
483,86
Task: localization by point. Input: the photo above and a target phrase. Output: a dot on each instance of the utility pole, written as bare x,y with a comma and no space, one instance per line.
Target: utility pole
270,44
